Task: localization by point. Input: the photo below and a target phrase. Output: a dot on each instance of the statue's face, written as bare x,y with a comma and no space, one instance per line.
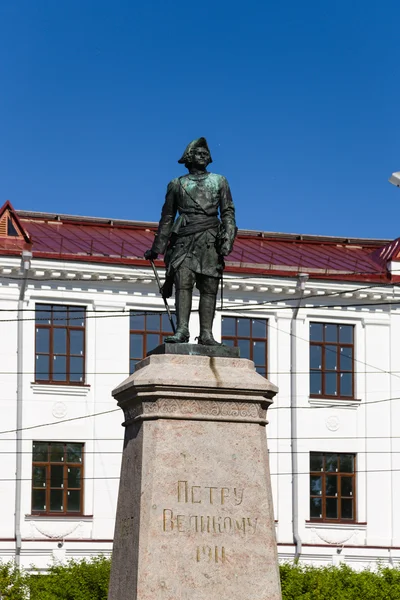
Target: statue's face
200,158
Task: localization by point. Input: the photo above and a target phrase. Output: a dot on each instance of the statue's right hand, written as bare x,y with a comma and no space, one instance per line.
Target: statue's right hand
150,254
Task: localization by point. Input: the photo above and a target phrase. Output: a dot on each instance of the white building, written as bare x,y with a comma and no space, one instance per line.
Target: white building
78,313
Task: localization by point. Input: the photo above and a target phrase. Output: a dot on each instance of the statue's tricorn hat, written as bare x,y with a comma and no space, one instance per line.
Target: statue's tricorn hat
199,143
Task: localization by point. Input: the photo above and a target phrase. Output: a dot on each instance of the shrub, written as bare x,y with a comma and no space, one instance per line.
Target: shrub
77,580
88,580
12,583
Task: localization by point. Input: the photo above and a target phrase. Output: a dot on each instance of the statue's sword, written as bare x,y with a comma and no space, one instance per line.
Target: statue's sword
165,300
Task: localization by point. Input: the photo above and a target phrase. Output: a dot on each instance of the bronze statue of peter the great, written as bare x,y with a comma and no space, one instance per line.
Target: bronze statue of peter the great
195,244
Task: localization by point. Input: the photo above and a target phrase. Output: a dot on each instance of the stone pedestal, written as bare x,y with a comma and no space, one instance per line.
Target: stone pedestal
195,518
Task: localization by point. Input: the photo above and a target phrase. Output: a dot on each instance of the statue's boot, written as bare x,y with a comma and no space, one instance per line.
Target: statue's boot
206,314
183,303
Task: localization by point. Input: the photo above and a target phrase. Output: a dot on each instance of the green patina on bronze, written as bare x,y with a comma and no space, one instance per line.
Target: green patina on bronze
195,243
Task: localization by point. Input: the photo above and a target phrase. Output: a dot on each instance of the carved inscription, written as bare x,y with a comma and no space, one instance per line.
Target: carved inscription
207,524
197,494
210,554
198,514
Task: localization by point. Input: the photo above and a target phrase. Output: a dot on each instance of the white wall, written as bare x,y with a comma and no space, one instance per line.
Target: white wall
368,427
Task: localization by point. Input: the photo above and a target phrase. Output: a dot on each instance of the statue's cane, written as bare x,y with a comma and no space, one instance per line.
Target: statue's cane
165,300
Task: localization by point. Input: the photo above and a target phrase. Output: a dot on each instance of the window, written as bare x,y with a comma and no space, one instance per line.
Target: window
147,331
57,478
331,360
250,335
60,344
332,487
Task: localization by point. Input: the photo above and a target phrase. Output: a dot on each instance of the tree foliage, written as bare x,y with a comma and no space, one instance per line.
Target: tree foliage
88,580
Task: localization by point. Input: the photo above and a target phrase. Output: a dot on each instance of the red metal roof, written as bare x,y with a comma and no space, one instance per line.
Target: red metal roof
124,242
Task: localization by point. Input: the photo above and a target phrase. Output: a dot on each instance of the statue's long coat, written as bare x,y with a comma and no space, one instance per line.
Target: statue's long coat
196,198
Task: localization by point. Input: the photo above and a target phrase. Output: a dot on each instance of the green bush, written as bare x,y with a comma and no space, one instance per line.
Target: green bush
339,583
12,583
88,580
77,580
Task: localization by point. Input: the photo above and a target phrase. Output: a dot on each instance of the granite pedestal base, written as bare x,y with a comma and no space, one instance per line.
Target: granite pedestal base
195,517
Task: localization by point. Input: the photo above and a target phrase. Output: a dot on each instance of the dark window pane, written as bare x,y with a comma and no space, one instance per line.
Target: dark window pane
331,508
259,328
165,322
39,476
315,485
243,327
229,342
331,358
76,316
56,500
42,339
56,452
136,345
244,346
152,322
76,369
316,461
347,508
57,476
132,363
152,341
40,451
346,463
60,315
74,501
346,359
42,367
74,453
39,499
228,326
315,508
331,485
259,353
315,383
315,357
346,334
316,332
331,462
59,340
43,314
346,486
331,384
76,342
261,371
330,333
74,477
346,384
137,321
59,368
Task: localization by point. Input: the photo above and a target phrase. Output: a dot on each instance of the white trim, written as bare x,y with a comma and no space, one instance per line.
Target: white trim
60,390
337,526
334,403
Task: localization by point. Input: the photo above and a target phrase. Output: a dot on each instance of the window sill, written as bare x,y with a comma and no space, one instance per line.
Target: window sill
336,525
60,389
322,401
59,517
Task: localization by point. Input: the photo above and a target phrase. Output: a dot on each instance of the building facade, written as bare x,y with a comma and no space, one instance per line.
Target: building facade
318,316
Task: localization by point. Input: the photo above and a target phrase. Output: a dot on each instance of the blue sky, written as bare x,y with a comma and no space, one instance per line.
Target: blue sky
299,102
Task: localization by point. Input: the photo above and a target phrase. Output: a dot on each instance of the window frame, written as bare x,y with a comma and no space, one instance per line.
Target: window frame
323,343
51,328
66,464
162,333
339,474
235,338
